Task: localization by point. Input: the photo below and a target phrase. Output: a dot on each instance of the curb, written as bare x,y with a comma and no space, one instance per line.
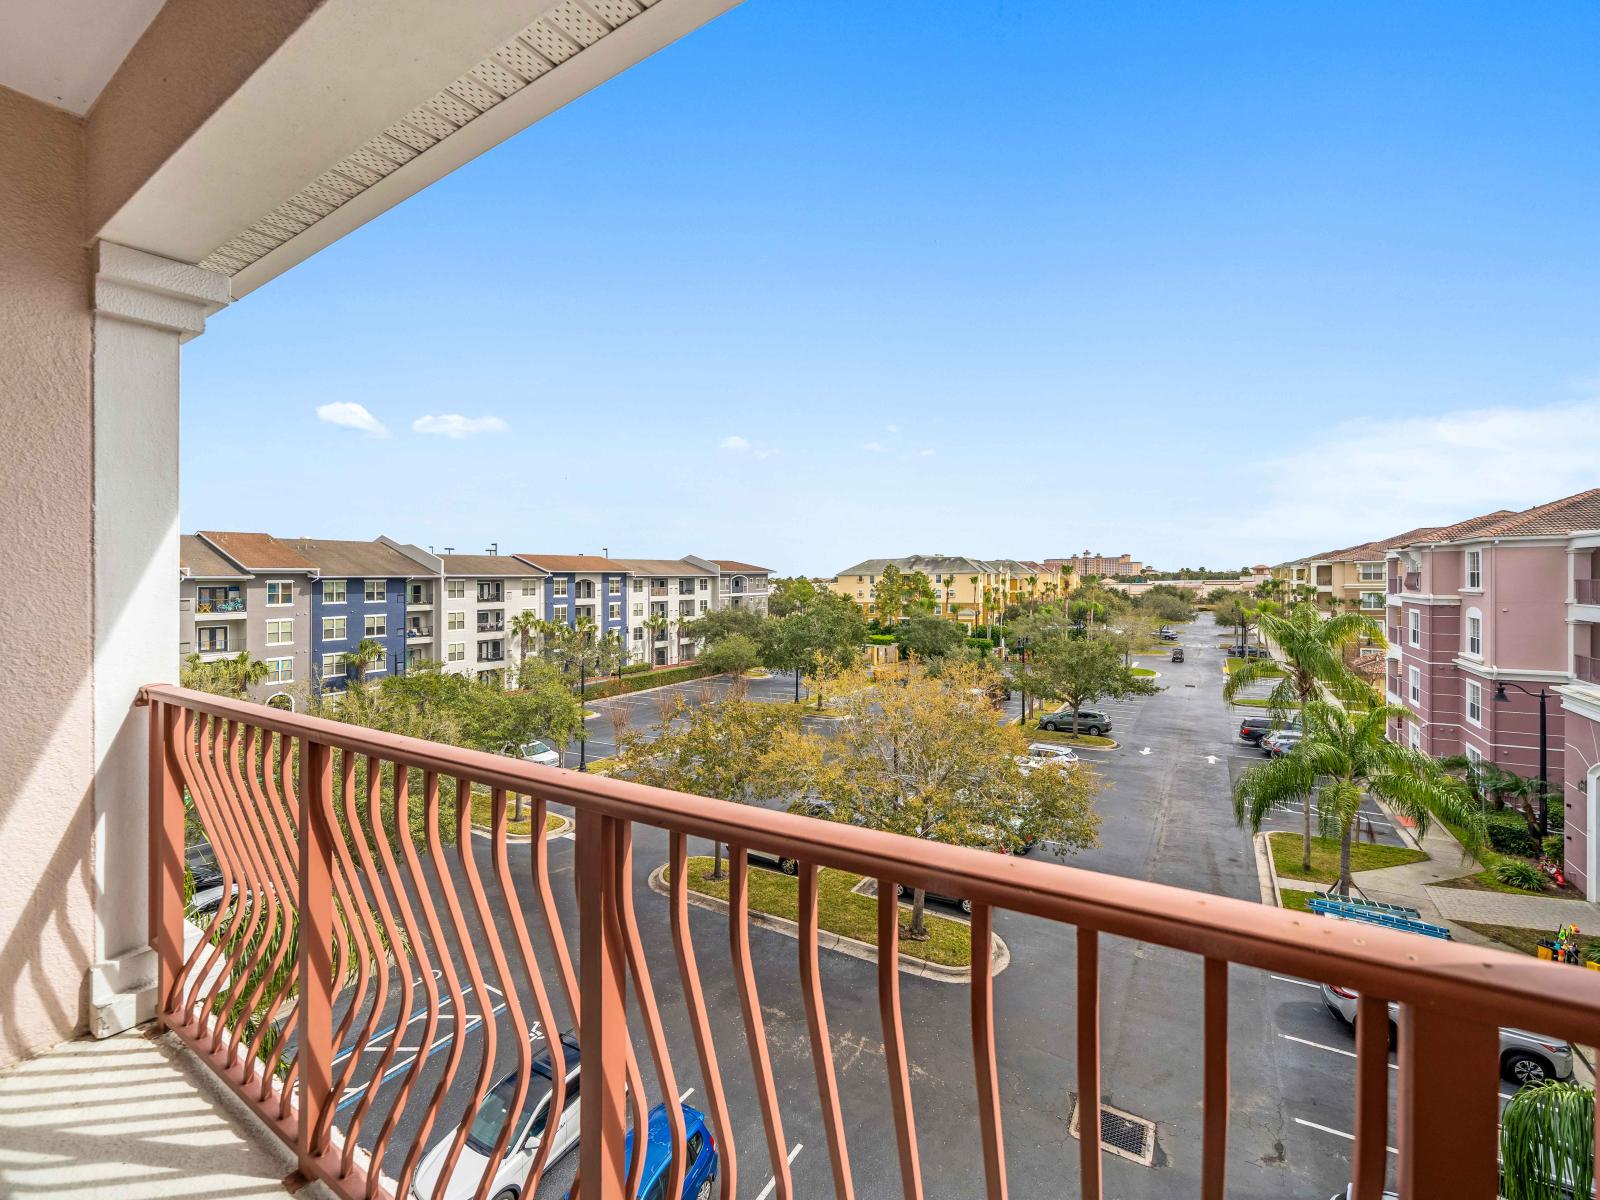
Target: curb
561,830
1266,873
999,959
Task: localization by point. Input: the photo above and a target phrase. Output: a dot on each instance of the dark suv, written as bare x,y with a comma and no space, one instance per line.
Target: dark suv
1089,721
1253,729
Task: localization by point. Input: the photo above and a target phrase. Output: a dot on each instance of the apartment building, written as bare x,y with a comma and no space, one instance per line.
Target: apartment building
359,595
663,595
274,623
584,587
740,585
1103,565
211,601
1484,616
484,595
973,591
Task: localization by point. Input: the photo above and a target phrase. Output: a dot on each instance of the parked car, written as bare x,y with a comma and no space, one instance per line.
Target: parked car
1089,721
1279,742
1525,1058
1253,729
1236,651
965,906
541,753
773,862
1167,634
700,1175
1177,655
525,1138
1040,753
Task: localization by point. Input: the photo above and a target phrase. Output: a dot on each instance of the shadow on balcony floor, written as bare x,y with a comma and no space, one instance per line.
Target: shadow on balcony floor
134,1118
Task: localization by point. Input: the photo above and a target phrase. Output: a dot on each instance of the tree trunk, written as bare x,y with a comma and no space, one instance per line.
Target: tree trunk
919,925
716,860
797,685
1305,845
1344,862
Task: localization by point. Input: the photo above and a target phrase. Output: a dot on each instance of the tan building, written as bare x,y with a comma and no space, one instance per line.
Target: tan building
974,591
1103,565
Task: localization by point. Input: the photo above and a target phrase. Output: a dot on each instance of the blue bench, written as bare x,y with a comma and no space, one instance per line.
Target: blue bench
1388,916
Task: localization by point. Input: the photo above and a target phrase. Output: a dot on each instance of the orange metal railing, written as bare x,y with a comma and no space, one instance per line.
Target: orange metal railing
352,884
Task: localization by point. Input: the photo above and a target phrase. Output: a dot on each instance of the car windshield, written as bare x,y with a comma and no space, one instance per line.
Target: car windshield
491,1118
529,749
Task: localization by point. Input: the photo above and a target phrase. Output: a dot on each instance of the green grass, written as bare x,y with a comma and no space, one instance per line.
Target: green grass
1364,856
1512,937
1035,734
1252,702
483,815
1231,665
1295,899
1141,672
839,910
1484,881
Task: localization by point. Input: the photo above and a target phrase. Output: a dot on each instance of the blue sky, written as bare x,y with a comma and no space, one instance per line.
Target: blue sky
824,280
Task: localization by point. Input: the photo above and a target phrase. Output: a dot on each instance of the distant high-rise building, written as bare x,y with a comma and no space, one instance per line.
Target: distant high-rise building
1089,563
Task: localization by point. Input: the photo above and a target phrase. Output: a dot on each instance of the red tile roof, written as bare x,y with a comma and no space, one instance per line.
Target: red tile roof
258,551
728,564
1567,515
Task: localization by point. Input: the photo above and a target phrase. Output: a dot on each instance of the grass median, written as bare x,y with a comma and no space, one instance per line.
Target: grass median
839,910
1364,856
483,815
1035,734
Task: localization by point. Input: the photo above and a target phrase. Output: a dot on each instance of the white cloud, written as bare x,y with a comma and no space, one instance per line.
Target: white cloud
875,447
350,415
1375,479
892,428
926,453
735,443
454,425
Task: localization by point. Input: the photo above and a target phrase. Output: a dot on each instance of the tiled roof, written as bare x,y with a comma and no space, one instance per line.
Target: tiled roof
1567,515
728,564
201,561
572,562
354,560
931,564
659,566
487,564
258,551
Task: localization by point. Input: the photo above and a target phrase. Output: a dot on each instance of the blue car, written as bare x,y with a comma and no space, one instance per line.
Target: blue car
701,1175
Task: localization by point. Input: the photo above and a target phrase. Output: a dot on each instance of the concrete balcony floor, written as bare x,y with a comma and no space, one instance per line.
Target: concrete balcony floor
136,1118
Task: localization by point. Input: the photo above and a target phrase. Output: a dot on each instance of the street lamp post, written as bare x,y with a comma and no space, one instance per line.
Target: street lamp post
1544,750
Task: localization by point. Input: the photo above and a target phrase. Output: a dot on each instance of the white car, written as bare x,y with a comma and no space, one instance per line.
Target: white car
485,1131
1040,753
539,752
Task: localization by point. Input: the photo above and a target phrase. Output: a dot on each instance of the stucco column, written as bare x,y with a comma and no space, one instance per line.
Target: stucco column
145,306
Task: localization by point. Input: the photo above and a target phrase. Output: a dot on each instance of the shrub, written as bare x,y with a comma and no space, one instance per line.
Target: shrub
638,682
1509,834
980,643
881,639
1522,875
635,668
1554,847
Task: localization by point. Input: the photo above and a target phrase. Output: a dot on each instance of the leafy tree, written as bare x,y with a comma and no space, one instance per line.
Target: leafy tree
223,676
917,593
1170,604
712,749
786,644
736,652
1079,671
929,637
1343,757
888,597
785,596
1313,659
926,756
724,622
367,652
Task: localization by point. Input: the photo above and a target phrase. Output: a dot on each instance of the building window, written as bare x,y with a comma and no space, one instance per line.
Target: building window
333,666
530,587
280,633
1416,735
491,591
702,606
333,629
638,634
584,612
1475,702
280,670
1475,636
455,589
333,591
455,652
704,584
558,587
560,616
1370,572
212,639
638,610
1414,626
377,626
1416,685
493,651
613,586
1371,600
613,612
372,590
1474,569
1474,756
417,594
280,592
455,620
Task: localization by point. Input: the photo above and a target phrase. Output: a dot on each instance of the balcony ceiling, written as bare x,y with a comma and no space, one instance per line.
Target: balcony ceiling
65,51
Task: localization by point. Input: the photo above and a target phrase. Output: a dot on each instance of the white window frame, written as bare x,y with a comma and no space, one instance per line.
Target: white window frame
1474,701
1372,601
455,620
530,587
1414,626
560,614
703,606
280,631
331,623
333,666
1368,572
1472,571
455,652
638,608
705,585
1475,634
367,631
455,589
280,584
1416,735
335,591
1474,755
613,612
558,587
279,670
613,586
1414,685
367,586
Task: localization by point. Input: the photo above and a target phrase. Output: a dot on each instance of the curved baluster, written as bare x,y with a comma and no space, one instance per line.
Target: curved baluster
983,1056
894,1039
817,1024
755,1031
194,781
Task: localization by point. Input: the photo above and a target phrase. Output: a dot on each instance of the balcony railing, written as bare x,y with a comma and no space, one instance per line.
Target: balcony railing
486,625
418,631
207,607
1586,668
1586,591
358,891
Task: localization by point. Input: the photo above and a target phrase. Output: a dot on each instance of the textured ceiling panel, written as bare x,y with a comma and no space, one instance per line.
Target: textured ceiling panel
561,33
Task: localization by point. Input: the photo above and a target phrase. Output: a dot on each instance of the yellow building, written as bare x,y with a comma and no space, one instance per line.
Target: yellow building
974,591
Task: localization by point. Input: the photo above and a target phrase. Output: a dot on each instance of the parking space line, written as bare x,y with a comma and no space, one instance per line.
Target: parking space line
773,1182
686,1094
1349,1137
1297,982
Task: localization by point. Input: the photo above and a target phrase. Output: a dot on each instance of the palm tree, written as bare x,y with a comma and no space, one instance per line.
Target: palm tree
367,652
245,672
1313,660
523,627
1345,757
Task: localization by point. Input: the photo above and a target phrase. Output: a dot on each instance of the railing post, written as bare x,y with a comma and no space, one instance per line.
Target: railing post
1448,1114
314,1039
603,1017
166,854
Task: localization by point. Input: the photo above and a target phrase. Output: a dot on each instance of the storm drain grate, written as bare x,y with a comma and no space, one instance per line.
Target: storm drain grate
1123,1134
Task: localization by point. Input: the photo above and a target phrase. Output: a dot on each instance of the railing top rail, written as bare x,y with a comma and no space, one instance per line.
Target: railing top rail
1491,985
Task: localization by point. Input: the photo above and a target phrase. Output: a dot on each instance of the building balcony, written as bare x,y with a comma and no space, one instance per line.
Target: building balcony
492,626
414,632
1412,581
219,608
1586,668
658,591
1586,591
334,933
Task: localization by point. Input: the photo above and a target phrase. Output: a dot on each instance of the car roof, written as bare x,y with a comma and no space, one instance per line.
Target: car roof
542,1065
658,1147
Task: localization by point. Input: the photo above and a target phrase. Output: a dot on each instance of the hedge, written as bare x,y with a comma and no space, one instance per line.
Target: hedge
881,639
639,682
982,643
636,668
1509,834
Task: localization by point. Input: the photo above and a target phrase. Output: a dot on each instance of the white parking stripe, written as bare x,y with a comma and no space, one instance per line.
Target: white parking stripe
1297,982
687,1093
773,1182
1349,1137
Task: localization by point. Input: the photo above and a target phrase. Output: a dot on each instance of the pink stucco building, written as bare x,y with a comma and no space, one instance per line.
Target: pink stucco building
1487,607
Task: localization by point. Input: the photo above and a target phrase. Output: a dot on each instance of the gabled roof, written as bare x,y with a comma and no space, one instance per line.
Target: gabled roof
1567,515
199,560
488,564
659,566
930,564
258,551
572,562
729,564
354,560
